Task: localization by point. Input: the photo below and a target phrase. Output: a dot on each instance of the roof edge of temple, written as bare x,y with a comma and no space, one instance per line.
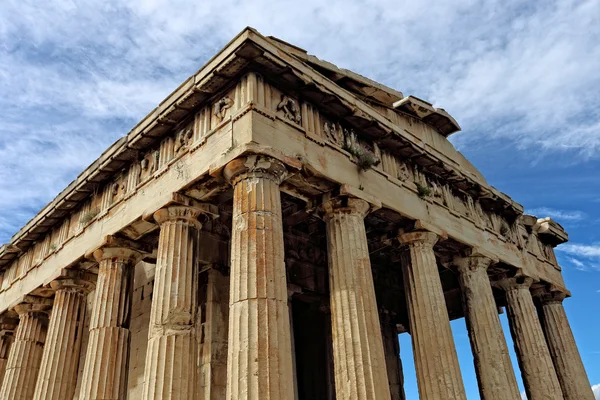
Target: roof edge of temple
248,45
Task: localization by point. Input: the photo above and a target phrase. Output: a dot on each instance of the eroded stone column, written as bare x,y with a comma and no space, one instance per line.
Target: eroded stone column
563,350
391,349
170,371
7,328
213,346
259,364
359,361
60,360
496,378
25,355
105,369
535,363
436,361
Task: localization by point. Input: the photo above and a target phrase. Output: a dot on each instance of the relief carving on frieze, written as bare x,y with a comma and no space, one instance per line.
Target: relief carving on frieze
221,107
290,108
182,140
333,133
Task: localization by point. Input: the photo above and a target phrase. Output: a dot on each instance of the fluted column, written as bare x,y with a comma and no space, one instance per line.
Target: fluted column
359,361
563,350
105,370
5,341
171,357
213,349
259,364
495,375
7,328
391,349
436,361
534,359
60,360
26,352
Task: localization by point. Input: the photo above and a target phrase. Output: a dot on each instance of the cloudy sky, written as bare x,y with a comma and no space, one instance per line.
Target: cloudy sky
521,78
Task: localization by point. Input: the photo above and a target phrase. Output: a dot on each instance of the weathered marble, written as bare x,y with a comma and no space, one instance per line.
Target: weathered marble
259,363
170,371
391,349
105,370
436,361
495,375
213,347
537,369
6,339
359,361
26,351
60,361
563,349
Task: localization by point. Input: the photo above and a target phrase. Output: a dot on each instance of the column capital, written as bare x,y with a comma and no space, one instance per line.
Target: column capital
545,296
194,214
473,262
257,166
344,205
7,324
418,238
76,281
122,249
34,305
514,283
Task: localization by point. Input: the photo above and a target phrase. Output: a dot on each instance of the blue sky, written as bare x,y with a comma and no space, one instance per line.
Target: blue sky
521,78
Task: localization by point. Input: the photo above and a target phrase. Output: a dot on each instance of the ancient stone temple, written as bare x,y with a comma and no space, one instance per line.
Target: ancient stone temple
266,233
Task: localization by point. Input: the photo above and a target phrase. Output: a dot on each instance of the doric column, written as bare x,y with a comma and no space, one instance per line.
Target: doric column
259,364
436,361
213,347
170,371
105,370
391,349
359,361
7,328
495,375
60,361
563,350
26,351
5,341
535,363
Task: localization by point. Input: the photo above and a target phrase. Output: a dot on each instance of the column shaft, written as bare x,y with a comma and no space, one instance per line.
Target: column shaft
391,348
436,361
496,378
171,357
5,342
359,361
535,363
106,363
259,364
259,345
25,354
563,350
58,370
213,350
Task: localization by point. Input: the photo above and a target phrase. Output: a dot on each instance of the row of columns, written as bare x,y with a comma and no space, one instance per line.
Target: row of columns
259,346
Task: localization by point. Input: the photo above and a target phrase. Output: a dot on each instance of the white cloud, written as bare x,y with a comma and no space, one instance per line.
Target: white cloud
75,75
558,215
584,257
523,395
596,390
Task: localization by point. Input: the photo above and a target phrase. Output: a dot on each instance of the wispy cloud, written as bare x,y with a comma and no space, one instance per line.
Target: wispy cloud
583,257
75,75
558,215
596,390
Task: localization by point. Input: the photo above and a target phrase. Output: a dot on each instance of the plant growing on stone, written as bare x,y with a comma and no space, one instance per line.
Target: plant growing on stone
364,158
88,216
422,190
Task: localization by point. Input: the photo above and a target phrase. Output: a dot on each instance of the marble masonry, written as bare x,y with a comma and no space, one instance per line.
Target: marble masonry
267,232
